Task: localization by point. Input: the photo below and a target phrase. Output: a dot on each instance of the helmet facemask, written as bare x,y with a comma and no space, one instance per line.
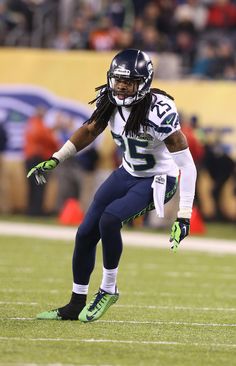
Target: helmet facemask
124,90
129,66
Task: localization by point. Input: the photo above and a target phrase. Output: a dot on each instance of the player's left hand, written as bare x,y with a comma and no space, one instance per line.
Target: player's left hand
180,229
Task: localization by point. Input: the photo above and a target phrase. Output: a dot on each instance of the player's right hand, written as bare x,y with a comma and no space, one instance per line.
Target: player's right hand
42,167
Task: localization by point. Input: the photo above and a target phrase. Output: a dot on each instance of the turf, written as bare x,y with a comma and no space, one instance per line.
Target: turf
174,309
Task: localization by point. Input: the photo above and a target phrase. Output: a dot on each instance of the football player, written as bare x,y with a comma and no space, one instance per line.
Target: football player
145,123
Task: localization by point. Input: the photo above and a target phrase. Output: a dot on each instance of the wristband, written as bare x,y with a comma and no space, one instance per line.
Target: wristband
184,213
67,150
185,162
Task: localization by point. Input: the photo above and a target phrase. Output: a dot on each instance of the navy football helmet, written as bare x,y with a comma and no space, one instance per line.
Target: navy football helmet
133,66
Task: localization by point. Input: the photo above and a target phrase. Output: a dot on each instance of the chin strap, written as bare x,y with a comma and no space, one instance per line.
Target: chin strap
122,103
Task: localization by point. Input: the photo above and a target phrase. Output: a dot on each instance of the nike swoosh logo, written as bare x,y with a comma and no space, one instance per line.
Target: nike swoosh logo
91,317
168,121
59,317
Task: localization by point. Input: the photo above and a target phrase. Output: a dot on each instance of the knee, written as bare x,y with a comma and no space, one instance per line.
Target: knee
109,222
82,233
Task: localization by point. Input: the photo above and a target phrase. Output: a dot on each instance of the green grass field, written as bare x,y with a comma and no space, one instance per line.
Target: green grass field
174,309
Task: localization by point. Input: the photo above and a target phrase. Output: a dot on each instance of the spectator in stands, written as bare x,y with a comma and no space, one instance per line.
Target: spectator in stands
205,63
185,40
185,47
196,141
3,145
74,37
152,30
40,143
222,15
159,26
105,36
125,40
139,6
194,137
62,40
194,11
225,59
25,9
230,73
9,21
151,14
3,138
216,61
220,166
138,31
76,178
79,33
165,23
116,12
66,12
153,41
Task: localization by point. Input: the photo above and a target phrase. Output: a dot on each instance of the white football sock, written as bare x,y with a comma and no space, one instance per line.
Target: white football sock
109,280
80,289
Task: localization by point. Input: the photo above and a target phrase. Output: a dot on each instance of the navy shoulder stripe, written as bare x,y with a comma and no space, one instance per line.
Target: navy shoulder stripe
159,129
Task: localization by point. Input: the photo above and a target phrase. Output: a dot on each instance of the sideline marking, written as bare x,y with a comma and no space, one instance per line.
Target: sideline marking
136,239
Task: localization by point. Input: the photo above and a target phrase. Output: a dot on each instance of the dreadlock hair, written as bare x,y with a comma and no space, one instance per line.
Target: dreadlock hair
138,114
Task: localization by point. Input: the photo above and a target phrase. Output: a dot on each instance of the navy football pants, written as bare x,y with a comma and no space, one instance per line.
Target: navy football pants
119,199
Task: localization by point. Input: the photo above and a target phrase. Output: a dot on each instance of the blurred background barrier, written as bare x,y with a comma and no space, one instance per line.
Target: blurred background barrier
46,93
74,75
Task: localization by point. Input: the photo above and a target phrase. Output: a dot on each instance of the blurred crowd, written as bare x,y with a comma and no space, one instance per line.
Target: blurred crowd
79,177
199,36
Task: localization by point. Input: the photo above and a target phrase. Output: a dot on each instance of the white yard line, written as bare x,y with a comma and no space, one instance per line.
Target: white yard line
150,307
40,364
140,239
53,364
136,322
18,303
153,322
175,308
20,290
16,318
113,341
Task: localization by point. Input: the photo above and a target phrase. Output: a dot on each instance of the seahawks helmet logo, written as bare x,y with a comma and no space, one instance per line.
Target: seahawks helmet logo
121,71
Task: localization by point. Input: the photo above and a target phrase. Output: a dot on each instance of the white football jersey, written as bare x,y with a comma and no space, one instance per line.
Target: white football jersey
146,155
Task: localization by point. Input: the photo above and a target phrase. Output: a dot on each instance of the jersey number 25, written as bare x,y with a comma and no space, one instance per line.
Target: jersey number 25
131,145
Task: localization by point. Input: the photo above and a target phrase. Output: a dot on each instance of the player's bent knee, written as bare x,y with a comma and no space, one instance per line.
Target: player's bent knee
109,222
84,232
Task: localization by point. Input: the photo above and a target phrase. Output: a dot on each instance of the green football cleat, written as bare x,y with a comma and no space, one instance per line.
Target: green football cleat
49,315
68,312
98,306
